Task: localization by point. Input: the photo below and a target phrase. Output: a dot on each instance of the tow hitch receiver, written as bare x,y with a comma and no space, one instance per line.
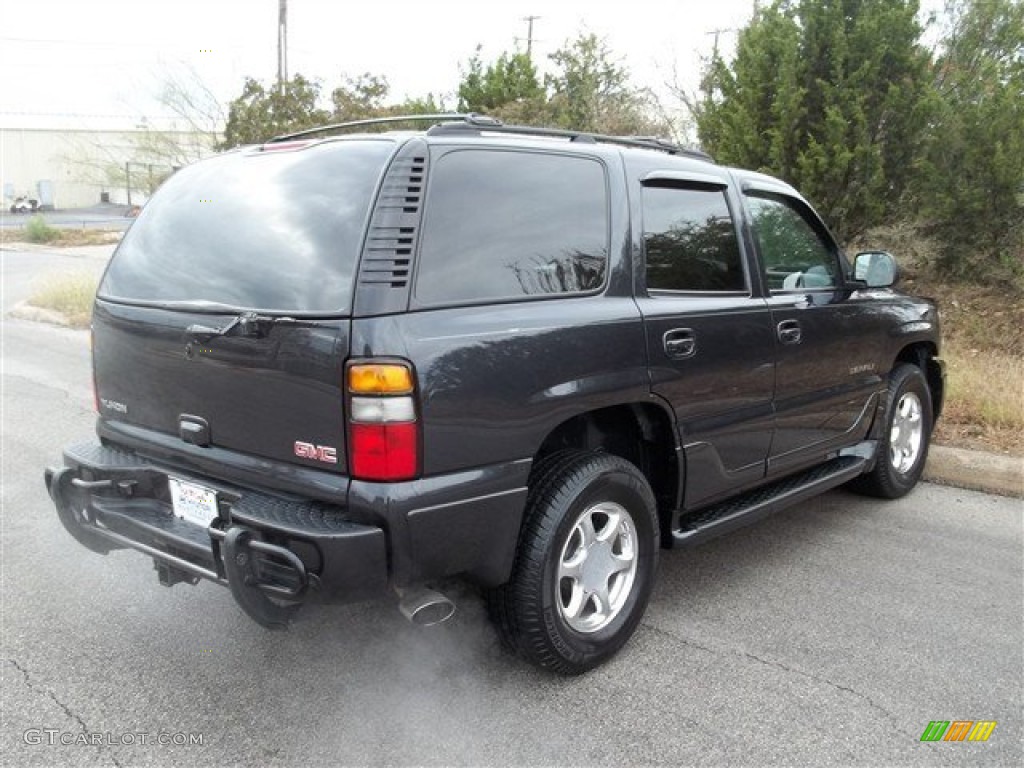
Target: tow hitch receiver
254,580
169,575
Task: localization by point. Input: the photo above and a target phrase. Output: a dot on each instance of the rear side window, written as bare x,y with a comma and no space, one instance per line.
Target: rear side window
507,225
690,241
276,231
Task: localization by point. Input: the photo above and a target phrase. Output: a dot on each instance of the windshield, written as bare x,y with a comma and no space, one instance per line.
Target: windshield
274,231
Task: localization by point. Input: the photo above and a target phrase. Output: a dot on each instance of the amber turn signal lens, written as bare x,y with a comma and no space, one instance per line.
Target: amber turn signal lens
380,379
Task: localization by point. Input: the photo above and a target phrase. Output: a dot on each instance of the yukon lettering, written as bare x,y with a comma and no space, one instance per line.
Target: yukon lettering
113,405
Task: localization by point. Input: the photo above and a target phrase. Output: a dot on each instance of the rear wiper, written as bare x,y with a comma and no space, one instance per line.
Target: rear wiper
247,324
191,305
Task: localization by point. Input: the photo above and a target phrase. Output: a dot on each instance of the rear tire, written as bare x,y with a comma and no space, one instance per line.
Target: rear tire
585,563
903,449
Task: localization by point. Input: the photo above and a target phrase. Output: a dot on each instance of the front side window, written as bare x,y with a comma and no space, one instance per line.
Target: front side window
795,254
690,241
508,225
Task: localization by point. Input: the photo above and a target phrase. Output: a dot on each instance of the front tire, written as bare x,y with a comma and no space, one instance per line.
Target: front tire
585,564
903,450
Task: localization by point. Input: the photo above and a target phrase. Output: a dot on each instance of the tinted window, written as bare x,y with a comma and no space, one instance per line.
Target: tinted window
795,255
261,230
690,241
512,224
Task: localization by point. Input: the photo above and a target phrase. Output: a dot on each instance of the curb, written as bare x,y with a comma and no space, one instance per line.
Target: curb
975,471
96,251
25,311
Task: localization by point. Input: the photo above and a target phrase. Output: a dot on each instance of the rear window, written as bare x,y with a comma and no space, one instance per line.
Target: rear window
274,231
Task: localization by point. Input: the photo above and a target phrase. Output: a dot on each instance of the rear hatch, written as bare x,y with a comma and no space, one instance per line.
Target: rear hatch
223,316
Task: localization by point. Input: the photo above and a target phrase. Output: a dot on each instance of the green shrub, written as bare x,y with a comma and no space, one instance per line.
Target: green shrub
38,231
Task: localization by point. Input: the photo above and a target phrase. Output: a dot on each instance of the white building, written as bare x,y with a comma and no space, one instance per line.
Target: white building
75,167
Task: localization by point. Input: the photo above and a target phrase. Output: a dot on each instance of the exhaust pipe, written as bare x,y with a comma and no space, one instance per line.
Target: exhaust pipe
424,607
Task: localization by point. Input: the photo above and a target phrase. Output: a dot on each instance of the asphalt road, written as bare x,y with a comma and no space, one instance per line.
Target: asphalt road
829,634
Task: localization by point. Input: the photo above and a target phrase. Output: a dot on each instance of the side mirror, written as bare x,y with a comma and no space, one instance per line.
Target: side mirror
876,268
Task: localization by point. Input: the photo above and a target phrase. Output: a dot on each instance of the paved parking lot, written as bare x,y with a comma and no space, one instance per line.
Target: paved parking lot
829,635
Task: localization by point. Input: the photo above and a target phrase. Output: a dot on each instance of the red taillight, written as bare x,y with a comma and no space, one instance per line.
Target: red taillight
383,430
384,451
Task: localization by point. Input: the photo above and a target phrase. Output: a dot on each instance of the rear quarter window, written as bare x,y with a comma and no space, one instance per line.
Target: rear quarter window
276,231
511,225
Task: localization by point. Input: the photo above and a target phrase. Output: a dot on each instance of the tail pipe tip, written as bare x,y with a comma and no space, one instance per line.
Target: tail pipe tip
424,607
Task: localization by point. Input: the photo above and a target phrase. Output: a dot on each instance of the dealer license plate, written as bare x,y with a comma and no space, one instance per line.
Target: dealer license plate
193,502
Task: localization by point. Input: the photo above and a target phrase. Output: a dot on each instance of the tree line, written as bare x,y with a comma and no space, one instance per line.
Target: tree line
845,99
588,90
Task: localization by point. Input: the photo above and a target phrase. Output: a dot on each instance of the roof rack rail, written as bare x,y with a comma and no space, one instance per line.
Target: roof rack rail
471,122
479,123
442,116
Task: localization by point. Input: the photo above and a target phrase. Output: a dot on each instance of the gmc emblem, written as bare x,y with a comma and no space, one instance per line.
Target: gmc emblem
324,453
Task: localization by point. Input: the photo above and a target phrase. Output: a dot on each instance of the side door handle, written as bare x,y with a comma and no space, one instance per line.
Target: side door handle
680,343
789,332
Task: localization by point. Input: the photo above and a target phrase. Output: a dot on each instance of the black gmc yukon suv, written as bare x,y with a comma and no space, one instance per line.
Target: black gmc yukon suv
338,366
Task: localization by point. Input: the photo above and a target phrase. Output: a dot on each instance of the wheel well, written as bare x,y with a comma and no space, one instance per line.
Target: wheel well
923,354
640,433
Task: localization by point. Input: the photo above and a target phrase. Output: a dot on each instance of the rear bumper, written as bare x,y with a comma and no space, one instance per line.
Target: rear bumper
274,548
260,546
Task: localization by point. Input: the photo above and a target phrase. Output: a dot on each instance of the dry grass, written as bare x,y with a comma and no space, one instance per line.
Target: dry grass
71,295
983,335
985,400
63,238
69,237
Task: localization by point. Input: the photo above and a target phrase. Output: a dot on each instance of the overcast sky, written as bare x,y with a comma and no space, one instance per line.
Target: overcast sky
100,62
86,58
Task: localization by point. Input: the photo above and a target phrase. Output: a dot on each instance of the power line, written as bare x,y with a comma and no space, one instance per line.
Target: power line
65,114
121,44
112,44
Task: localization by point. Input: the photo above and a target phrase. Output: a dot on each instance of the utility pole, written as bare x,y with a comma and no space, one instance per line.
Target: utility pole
529,35
282,44
717,32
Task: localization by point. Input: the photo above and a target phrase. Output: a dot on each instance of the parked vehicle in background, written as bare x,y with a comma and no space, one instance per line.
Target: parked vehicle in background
528,358
24,205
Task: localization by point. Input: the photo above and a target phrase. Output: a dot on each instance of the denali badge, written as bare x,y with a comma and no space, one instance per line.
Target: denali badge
324,453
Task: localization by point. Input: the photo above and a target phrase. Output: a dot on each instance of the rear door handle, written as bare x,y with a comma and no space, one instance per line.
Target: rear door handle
680,343
789,332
